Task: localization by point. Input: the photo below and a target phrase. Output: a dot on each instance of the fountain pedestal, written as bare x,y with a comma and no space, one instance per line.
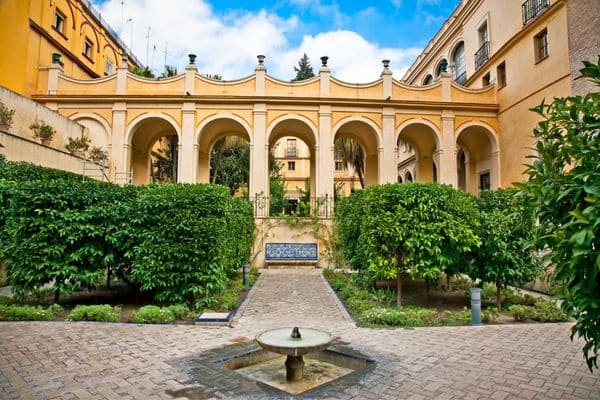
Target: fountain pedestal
294,368
294,346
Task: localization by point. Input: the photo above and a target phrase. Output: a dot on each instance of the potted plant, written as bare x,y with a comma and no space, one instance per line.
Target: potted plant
98,155
6,117
78,146
43,131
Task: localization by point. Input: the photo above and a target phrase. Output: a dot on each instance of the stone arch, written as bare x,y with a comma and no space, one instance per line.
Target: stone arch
208,132
479,142
368,135
425,138
438,67
292,126
428,80
143,134
99,130
81,32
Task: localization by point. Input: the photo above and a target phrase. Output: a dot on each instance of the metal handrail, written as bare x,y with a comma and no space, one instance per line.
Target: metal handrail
532,8
316,206
482,55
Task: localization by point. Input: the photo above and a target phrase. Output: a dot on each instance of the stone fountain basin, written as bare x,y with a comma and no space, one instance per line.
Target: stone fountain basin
279,341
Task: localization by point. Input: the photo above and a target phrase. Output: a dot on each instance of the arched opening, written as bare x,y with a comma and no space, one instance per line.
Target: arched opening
461,164
97,133
224,155
292,169
428,80
442,65
477,147
349,169
417,145
408,176
154,151
358,145
459,69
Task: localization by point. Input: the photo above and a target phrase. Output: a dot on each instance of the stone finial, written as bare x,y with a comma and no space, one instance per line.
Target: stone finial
444,66
386,63
324,60
192,58
261,60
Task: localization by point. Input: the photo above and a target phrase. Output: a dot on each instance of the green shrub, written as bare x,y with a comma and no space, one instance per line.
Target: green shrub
153,315
490,315
55,309
179,310
406,317
456,318
548,311
102,313
6,301
24,313
521,313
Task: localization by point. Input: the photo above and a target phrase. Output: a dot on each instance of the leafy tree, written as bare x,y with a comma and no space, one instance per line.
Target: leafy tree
144,72
216,77
230,163
353,155
303,70
164,161
168,72
277,200
417,229
505,257
564,187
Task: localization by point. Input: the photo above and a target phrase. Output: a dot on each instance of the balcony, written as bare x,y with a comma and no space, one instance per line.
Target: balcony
482,55
532,8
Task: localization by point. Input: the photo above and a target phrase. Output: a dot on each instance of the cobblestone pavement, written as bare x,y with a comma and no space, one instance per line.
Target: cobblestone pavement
79,360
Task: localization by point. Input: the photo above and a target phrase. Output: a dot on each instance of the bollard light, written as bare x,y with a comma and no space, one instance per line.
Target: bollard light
475,306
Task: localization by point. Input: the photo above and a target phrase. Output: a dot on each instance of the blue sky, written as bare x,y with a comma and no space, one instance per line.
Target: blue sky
227,36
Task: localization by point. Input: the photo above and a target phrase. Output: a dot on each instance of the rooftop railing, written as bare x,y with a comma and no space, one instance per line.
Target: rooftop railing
482,55
532,8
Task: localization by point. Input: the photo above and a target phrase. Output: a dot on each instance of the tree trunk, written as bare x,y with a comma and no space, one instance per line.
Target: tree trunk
427,288
498,295
361,178
108,276
56,296
399,289
448,282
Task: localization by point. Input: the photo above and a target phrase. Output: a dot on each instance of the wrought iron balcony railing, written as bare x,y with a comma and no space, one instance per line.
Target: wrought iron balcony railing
461,79
531,8
482,55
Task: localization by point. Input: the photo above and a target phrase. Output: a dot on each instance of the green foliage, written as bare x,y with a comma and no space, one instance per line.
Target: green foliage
6,115
277,200
25,313
564,188
6,301
168,72
304,70
505,256
153,315
521,313
100,313
22,171
187,239
179,310
490,315
164,160
144,72
542,311
230,163
456,318
216,77
98,155
42,131
417,229
81,144
352,154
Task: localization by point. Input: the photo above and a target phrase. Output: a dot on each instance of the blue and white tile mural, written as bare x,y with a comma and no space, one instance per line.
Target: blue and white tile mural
291,251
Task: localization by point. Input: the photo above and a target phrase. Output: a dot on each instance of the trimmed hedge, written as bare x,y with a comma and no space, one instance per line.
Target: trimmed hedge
181,242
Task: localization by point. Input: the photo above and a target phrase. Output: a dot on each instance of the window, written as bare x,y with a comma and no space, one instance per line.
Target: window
59,21
428,80
339,166
442,67
291,165
408,177
482,32
88,47
459,70
540,44
483,54
501,75
486,80
484,181
291,148
109,67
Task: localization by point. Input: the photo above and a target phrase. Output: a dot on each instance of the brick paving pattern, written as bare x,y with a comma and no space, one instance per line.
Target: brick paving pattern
85,360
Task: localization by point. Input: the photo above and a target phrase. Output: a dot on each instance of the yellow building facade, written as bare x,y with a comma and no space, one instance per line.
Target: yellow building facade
527,51
33,30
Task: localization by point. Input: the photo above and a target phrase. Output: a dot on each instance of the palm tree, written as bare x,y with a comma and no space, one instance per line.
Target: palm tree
353,155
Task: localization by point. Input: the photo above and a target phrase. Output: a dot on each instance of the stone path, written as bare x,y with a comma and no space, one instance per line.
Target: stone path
62,360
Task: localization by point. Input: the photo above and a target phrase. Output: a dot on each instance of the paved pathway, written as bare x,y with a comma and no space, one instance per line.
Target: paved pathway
61,360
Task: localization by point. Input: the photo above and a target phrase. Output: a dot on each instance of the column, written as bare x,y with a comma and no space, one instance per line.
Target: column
495,175
447,155
119,145
187,162
387,159
324,155
259,160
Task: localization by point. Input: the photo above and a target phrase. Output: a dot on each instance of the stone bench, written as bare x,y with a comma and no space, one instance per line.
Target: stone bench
296,254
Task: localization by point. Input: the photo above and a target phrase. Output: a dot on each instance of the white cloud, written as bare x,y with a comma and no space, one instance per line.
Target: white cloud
228,45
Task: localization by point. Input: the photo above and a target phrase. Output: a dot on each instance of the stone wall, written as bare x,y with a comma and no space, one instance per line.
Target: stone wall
584,40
